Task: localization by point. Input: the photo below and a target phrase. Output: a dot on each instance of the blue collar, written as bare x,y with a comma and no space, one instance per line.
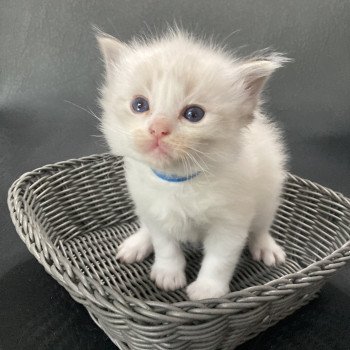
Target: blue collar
174,178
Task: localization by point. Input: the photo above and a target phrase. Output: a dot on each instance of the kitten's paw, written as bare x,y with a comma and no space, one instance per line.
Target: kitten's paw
136,247
168,278
265,248
206,289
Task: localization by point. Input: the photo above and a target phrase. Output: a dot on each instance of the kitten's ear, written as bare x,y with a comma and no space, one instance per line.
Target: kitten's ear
256,72
110,48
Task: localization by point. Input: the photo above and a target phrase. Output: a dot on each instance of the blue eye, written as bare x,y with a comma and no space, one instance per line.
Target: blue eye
139,105
194,114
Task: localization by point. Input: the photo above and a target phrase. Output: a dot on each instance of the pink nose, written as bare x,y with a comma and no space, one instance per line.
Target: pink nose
160,128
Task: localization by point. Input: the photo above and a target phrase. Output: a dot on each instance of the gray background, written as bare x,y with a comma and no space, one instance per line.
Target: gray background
48,56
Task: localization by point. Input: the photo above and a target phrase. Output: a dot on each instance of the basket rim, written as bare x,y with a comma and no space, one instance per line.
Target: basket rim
59,267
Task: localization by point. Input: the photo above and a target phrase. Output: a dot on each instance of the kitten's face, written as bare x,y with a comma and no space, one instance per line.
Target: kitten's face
174,103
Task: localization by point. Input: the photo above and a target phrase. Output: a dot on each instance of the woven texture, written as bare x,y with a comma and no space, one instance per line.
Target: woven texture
73,215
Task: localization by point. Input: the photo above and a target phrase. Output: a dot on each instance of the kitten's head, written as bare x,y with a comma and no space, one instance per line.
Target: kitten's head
175,102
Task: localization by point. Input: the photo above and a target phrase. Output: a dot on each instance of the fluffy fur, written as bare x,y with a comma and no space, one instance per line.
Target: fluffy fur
238,152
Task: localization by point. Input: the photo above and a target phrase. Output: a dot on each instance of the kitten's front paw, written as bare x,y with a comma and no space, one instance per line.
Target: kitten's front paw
206,289
265,248
168,278
135,248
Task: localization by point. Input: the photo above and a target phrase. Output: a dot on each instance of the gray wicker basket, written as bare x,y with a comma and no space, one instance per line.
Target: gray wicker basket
72,216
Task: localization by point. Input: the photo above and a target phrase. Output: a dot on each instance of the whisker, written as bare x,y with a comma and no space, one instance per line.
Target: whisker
183,164
190,163
191,160
84,109
115,129
205,154
208,155
205,170
187,166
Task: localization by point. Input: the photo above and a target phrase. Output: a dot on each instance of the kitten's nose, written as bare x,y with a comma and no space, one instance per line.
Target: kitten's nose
160,128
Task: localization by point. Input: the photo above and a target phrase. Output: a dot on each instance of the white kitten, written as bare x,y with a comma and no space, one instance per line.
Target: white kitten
202,161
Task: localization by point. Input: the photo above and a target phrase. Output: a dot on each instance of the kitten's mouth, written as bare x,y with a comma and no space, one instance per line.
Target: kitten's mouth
158,153
157,148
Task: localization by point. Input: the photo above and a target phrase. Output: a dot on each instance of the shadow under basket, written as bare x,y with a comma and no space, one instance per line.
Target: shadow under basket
73,215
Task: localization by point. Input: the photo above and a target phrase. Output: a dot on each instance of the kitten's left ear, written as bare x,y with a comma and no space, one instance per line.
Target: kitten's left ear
111,49
256,72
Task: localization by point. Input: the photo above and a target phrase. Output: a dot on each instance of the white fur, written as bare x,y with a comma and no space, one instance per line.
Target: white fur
238,151
136,247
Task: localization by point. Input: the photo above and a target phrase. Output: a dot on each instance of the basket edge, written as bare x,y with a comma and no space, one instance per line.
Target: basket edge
242,296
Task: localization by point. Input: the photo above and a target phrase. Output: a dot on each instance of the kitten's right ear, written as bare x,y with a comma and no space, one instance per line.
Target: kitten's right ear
111,49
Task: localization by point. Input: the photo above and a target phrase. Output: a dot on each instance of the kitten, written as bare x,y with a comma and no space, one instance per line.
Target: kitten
202,161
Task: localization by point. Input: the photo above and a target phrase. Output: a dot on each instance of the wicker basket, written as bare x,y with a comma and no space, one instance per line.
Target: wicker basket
72,216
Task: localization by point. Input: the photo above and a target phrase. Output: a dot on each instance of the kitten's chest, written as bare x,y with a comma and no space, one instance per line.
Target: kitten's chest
175,208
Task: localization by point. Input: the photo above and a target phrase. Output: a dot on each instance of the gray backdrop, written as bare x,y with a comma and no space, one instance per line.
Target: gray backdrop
48,56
